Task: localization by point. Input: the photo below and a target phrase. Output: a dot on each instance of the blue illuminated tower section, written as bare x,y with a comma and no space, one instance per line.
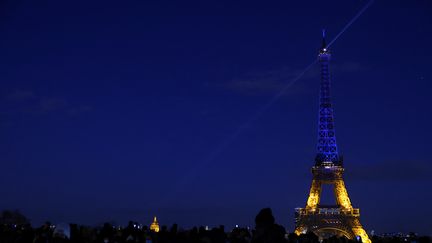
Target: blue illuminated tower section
327,148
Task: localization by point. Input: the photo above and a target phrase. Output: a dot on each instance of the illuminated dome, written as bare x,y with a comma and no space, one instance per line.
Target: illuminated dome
155,225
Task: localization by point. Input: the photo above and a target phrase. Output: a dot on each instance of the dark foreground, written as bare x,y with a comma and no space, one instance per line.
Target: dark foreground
265,231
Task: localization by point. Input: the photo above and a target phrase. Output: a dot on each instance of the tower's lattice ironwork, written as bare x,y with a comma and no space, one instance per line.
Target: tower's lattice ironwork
327,148
340,219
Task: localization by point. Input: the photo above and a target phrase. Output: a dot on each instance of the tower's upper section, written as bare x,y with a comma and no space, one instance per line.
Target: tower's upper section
326,148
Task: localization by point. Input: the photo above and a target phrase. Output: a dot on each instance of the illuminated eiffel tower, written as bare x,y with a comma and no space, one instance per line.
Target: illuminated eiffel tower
340,219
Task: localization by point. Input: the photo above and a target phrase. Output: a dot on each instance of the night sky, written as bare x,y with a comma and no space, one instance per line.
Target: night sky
118,110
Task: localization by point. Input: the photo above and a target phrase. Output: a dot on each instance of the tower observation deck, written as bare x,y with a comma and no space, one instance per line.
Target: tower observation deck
328,220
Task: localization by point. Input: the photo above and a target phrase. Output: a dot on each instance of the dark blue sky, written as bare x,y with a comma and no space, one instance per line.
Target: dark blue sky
117,110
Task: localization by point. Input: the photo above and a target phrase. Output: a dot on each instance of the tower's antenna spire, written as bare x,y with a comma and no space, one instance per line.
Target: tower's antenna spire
324,44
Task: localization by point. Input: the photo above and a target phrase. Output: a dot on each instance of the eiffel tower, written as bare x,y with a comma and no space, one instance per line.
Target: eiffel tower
340,219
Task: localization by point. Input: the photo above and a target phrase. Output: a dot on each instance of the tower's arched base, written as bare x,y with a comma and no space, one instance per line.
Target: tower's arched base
328,222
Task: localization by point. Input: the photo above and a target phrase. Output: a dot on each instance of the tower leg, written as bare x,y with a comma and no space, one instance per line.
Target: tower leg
314,195
358,230
342,195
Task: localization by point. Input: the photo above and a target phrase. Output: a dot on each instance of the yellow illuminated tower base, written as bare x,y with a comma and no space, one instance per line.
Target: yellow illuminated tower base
341,219
325,221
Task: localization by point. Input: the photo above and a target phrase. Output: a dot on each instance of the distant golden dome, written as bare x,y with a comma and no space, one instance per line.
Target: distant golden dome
155,225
